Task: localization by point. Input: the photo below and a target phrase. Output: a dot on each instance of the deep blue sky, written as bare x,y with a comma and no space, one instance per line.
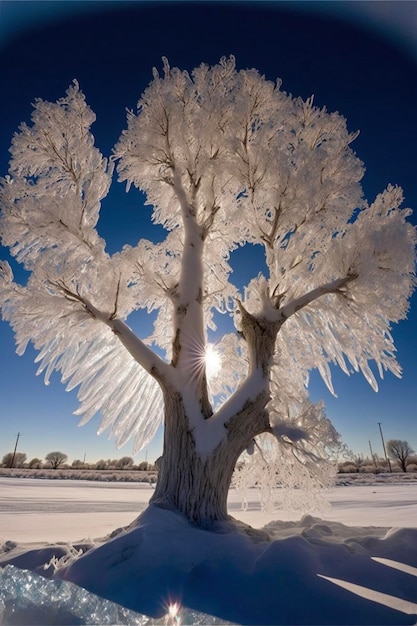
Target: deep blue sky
357,58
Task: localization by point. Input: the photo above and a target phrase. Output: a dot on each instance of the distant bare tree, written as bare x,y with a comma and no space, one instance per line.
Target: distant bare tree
19,459
358,461
399,451
35,463
55,459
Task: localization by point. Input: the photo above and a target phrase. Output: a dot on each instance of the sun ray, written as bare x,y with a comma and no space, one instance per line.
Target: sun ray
213,361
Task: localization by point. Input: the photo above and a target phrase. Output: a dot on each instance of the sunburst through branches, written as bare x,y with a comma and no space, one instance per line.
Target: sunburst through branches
212,361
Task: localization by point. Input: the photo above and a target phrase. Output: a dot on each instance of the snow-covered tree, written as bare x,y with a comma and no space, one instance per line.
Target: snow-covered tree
13,459
35,463
125,462
225,158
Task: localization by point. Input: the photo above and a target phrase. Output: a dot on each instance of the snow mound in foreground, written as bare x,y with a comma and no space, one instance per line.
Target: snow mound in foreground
310,578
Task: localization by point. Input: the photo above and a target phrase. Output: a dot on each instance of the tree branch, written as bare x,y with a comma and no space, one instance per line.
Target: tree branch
146,357
333,286
260,335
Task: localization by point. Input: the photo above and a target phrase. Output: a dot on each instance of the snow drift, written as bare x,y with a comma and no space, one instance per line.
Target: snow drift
162,558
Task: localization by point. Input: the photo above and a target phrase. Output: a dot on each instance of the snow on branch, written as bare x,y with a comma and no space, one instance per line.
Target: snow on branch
335,286
51,198
90,355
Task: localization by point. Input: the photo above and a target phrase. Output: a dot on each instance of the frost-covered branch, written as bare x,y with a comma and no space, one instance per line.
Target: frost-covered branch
334,286
146,357
51,199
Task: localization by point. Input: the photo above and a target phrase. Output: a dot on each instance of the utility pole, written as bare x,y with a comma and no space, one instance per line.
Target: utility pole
383,445
372,455
14,451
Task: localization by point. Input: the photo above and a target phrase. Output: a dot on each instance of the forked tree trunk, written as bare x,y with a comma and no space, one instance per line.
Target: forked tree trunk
198,487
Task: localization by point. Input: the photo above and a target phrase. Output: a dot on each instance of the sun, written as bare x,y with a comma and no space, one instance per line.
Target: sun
173,617
212,361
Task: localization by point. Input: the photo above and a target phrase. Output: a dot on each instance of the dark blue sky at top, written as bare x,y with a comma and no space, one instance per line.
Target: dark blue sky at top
110,49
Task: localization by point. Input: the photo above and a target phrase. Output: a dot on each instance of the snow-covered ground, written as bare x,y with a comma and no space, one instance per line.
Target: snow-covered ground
48,510
307,575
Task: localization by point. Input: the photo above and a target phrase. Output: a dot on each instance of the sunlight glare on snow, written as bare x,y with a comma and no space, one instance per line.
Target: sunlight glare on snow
402,567
399,604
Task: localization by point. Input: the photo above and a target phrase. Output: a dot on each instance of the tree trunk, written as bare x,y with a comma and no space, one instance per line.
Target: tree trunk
198,487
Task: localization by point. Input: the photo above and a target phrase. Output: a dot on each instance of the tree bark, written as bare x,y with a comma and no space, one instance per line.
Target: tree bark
196,486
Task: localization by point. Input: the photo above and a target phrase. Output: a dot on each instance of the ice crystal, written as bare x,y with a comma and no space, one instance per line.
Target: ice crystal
26,598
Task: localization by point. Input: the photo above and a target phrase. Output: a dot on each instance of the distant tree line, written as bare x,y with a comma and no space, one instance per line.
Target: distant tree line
400,453
401,457
56,459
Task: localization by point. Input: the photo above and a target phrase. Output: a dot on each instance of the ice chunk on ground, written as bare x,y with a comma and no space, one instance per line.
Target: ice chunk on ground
27,598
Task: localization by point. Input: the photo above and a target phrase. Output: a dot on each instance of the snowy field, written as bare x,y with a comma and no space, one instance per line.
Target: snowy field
48,510
358,556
